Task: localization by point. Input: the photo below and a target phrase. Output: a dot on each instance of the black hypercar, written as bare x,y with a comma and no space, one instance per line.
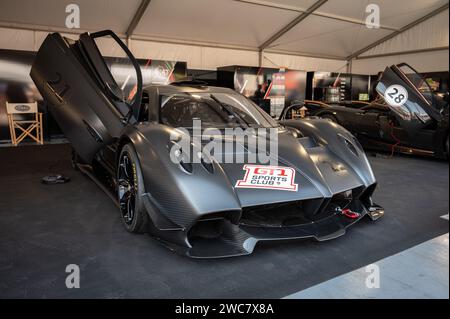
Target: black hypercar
408,117
123,136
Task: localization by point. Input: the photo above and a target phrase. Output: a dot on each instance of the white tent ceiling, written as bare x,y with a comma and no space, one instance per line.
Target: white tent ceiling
211,33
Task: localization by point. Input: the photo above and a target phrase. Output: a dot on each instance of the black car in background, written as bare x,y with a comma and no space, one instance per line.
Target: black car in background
407,117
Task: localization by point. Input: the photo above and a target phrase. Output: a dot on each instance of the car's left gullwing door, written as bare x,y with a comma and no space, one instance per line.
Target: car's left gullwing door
90,94
402,89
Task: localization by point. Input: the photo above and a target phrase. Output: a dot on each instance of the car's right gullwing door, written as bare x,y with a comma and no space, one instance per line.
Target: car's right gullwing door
409,96
91,96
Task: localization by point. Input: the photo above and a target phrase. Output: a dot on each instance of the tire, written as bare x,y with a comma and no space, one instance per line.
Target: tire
330,117
130,188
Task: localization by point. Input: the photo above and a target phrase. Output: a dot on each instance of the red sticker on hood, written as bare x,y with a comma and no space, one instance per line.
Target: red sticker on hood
268,177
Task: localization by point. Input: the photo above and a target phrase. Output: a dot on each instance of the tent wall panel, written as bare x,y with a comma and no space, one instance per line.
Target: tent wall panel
167,51
432,33
272,60
423,62
15,39
197,57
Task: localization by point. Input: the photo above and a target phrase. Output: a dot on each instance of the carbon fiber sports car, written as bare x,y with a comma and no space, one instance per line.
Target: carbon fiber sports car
122,135
417,124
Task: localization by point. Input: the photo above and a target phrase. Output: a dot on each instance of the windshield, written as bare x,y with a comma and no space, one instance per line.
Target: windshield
418,82
215,110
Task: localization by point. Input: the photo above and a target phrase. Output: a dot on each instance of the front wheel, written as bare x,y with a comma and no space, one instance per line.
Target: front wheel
130,188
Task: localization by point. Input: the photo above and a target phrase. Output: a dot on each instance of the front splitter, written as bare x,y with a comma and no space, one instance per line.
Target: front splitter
240,240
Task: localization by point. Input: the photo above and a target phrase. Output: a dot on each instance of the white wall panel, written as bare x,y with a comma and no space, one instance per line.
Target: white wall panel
422,62
208,58
326,37
167,51
396,13
197,57
214,57
94,15
199,27
433,33
303,63
212,21
14,39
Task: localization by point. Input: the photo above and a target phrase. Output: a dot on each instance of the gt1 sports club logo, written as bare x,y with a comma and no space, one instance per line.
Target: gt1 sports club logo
268,177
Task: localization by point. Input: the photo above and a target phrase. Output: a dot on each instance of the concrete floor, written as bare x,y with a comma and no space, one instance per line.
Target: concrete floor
420,272
44,228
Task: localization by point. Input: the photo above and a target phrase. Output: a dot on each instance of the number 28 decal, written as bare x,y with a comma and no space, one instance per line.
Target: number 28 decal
396,95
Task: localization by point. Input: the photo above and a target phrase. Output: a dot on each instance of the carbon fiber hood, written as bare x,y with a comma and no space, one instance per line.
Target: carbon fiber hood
325,160
318,172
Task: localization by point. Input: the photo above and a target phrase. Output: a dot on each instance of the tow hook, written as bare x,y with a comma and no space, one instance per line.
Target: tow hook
350,214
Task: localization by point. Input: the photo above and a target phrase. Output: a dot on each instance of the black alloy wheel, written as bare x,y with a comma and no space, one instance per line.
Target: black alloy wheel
127,184
130,191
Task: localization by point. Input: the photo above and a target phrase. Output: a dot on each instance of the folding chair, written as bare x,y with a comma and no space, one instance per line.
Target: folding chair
296,115
299,114
29,124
